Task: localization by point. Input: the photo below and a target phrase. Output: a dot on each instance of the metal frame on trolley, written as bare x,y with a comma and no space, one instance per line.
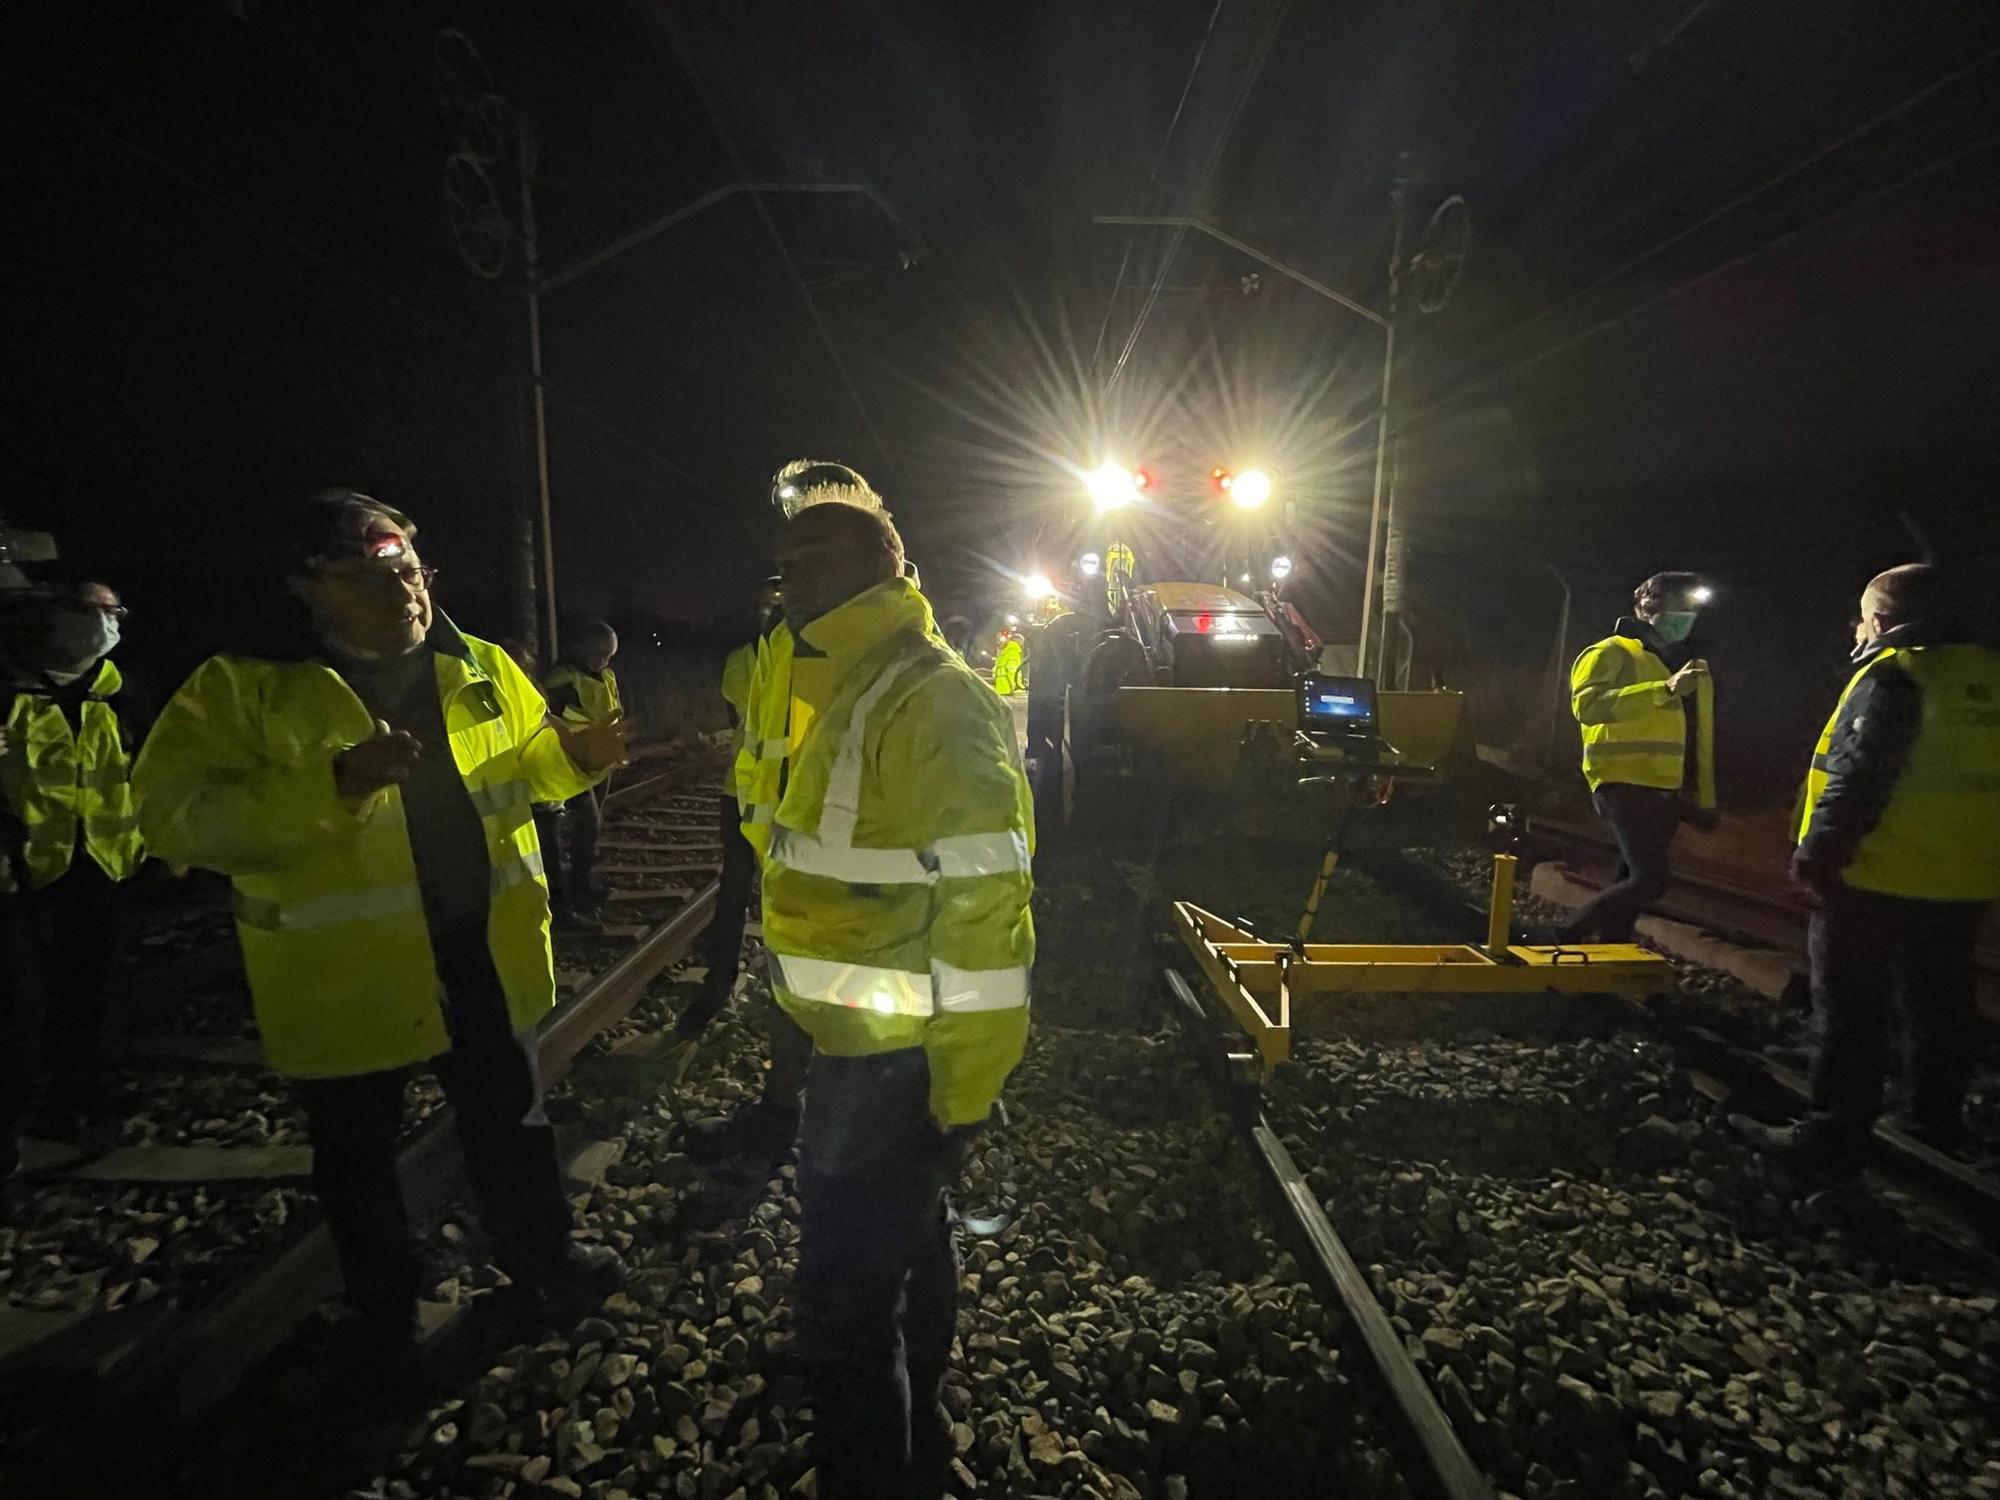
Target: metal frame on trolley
1259,981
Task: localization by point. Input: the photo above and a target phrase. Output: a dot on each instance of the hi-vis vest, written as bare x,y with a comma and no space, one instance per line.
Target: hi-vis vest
238,777
737,670
1634,731
596,693
1939,837
760,759
71,789
897,883
1007,667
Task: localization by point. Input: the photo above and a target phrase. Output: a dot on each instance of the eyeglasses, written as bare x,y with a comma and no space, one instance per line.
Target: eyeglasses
84,606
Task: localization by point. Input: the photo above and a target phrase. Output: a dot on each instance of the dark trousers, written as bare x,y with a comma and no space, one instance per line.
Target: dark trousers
75,929
568,835
878,1275
1865,949
791,1051
1642,819
510,1149
735,888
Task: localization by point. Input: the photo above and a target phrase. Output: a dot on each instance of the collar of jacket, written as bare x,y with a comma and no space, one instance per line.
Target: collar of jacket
102,685
866,622
1916,633
1634,629
300,645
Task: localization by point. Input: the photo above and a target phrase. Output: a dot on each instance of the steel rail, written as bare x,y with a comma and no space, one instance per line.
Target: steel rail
1970,1191
1435,1461
191,1362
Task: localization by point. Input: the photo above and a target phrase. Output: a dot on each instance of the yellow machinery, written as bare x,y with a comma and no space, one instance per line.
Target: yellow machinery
1199,732
1193,685
1259,981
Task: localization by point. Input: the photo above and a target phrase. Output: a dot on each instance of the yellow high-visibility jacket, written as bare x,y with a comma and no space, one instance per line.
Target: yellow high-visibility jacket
1939,837
760,758
71,789
737,670
1634,730
596,692
1007,668
237,776
897,883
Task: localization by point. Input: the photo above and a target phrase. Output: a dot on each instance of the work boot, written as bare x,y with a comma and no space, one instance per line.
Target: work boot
1801,1146
579,923
573,1285
760,1131
372,1358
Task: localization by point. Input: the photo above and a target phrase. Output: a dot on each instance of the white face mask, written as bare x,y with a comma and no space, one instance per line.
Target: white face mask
78,637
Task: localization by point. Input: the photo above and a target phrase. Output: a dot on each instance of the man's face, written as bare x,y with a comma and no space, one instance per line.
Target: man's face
378,600
823,566
1869,624
596,653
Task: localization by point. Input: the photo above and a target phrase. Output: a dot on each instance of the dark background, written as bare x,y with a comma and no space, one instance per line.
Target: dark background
231,278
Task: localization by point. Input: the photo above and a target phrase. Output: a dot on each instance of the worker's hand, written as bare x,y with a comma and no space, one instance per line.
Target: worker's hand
1683,683
1816,875
385,759
596,747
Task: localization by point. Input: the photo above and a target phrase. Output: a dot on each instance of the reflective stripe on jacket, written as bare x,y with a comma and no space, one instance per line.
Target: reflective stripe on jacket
897,884
596,692
237,776
1938,838
1634,731
71,788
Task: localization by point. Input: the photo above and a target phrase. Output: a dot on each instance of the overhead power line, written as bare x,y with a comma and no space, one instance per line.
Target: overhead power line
728,143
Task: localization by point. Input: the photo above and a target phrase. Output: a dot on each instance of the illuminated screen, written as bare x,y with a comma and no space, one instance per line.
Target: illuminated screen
1337,701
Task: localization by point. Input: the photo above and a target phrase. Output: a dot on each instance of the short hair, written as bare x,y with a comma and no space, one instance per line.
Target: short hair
1915,594
863,527
324,525
592,629
806,482
1665,586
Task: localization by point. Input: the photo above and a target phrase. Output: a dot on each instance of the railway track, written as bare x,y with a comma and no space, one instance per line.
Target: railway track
1460,1263
1773,915
187,1346
1721,899
1575,1282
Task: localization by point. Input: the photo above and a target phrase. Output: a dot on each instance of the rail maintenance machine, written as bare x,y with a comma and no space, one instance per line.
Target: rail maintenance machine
1337,735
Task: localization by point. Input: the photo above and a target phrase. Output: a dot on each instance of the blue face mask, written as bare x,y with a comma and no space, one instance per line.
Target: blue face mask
1672,626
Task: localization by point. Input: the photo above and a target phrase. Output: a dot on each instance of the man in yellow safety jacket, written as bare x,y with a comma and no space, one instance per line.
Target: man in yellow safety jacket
69,727
368,794
581,689
896,912
1899,842
1630,694
737,882
1009,665
775,719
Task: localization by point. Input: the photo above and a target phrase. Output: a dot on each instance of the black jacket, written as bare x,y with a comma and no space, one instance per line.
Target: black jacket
1872,739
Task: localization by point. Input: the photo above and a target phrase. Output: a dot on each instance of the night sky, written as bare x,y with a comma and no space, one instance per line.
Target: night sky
232,278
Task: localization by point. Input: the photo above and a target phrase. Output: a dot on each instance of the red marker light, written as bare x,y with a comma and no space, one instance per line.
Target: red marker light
1204,622
1141,480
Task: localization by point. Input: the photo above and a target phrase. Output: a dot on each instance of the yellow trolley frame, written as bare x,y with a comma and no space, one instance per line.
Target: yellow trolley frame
1259,980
